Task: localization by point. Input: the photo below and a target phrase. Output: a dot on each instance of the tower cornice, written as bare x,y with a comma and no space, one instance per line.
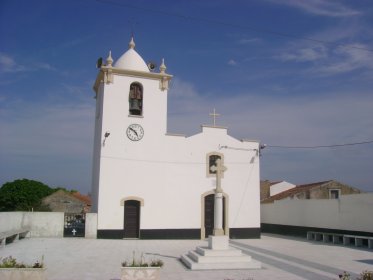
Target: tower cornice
106,75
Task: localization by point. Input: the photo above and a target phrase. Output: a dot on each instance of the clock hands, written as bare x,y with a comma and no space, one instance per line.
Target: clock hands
134,131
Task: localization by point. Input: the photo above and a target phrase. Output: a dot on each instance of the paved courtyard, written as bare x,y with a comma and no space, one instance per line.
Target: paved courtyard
281,257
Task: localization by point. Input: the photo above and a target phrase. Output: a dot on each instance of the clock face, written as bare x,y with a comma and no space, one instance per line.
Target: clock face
135,132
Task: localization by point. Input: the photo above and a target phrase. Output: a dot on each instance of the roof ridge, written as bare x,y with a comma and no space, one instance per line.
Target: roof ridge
314,184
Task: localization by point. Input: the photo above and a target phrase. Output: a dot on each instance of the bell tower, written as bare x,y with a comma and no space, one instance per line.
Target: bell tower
131,114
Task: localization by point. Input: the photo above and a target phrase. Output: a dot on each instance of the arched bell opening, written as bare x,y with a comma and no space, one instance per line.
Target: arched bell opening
135,99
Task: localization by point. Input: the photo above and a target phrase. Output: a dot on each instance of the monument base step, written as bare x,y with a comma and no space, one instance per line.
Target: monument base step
206,251
208,259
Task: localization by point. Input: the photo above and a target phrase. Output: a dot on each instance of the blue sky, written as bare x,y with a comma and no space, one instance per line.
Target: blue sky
285,72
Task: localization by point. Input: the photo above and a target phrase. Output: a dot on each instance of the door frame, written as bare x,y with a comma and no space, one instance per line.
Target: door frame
141,204
226,212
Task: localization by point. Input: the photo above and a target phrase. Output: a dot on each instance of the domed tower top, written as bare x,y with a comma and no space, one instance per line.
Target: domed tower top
131,60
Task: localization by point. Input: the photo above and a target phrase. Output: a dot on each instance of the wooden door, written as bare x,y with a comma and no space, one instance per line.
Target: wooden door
209,214
132,219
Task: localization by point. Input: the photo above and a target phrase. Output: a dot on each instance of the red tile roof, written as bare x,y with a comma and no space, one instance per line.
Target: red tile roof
85,198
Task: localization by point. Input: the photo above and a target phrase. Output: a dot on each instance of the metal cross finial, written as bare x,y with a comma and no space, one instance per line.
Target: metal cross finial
214,115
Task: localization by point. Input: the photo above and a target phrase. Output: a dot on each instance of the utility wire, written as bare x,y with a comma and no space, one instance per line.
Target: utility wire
321,146
224,23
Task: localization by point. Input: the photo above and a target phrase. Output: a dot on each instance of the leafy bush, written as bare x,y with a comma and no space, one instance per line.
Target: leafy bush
141,262
156,263
365,275
10,262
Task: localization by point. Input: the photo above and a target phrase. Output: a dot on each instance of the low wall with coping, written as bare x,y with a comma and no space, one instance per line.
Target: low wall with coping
43,224
349,213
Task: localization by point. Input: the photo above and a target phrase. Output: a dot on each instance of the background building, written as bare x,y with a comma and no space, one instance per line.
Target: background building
68,202
321,190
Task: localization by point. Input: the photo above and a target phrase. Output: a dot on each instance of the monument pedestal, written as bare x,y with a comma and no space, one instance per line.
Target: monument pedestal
218,255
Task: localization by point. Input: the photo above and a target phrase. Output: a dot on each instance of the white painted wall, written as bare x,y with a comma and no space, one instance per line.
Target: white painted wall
280,187
97,149
350,212
42,224
172,177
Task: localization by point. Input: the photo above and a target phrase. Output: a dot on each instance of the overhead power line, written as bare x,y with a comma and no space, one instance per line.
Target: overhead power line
320,146
230,24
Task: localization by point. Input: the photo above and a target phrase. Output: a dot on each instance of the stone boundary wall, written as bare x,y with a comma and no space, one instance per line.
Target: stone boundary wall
349,213
43,224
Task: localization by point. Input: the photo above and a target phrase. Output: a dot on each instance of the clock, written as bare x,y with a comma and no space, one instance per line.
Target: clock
135,132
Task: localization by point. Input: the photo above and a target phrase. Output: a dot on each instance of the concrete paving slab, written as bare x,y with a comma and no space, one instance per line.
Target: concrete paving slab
281,258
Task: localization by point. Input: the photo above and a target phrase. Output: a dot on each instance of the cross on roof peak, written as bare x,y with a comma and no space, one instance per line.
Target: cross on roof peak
214,115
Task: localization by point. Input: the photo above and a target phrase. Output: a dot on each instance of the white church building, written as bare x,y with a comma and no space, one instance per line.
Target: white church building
148,183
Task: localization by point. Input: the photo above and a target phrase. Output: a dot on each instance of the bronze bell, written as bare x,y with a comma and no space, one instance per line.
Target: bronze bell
135,108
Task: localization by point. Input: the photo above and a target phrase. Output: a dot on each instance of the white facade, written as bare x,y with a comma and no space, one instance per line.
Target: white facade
165,174
280,187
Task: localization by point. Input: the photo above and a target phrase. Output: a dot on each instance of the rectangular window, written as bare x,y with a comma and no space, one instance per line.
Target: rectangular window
334,194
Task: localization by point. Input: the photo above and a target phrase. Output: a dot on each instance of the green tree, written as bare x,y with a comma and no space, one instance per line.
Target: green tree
65,190
23,195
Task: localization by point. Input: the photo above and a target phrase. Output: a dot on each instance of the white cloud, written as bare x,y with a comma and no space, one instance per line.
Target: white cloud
232,62
320,7
330,61
346,59
328,119
304,120
181,88
9,65
246,41
6,61
305,54
341,32
43,66
46,129
184,100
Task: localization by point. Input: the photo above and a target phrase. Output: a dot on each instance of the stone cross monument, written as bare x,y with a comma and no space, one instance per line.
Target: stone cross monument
218,206
218,254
